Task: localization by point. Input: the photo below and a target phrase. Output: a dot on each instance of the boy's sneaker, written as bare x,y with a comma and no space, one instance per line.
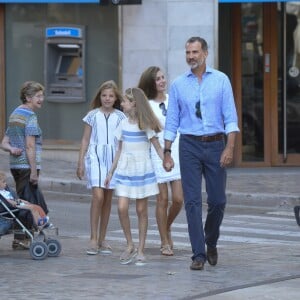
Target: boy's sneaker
49,226
42,222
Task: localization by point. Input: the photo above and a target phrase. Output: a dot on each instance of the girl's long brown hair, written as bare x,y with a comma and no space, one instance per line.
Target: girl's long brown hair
110,84
146,117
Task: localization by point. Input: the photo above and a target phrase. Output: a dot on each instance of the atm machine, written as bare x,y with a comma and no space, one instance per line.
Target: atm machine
64,70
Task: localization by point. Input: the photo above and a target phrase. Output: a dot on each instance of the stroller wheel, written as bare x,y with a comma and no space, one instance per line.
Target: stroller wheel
54,247
38,250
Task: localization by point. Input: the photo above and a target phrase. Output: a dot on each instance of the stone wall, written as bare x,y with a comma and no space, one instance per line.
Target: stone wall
155,33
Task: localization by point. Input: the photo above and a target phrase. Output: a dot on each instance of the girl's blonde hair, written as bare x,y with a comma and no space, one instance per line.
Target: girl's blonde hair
110,84
146,117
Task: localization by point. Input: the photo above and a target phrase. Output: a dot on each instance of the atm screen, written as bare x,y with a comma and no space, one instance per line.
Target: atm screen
68,64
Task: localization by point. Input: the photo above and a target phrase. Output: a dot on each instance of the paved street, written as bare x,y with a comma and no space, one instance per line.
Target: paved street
255,249
240,226
259,246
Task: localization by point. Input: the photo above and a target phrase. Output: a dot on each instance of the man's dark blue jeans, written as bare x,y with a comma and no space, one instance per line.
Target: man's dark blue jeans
197,159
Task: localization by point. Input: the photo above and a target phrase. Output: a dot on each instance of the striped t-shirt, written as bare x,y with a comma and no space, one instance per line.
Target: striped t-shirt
23,122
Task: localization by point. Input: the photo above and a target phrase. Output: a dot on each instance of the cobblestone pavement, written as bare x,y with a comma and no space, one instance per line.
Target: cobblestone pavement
247,272
243,272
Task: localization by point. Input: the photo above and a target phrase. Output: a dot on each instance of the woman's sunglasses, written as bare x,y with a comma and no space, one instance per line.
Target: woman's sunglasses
198,110
162,106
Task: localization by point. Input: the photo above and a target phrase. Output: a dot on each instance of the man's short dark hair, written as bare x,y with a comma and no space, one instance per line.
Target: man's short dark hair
202,41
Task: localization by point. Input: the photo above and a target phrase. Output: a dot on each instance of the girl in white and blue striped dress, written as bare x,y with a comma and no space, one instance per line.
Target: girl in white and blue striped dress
134,173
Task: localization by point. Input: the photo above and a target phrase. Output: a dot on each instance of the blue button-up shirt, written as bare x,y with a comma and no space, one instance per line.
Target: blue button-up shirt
217,105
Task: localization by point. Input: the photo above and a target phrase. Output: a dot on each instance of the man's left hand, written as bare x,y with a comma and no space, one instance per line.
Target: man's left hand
226,157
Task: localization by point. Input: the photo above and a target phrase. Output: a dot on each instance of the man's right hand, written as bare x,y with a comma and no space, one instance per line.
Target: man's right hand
168,162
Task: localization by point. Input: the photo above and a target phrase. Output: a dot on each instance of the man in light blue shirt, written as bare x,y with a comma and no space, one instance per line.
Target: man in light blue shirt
201,107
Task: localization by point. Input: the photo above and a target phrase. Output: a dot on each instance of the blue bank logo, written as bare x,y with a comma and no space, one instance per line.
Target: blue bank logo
71,32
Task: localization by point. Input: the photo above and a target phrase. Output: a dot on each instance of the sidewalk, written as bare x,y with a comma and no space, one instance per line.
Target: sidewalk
265,187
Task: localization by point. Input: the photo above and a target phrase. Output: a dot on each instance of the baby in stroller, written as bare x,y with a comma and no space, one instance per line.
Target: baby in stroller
20,216
39,216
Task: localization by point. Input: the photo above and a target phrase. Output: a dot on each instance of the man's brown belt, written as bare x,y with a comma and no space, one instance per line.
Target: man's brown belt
207,138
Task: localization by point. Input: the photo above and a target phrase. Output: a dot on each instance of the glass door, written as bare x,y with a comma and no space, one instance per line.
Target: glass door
252,81
266,80
289,84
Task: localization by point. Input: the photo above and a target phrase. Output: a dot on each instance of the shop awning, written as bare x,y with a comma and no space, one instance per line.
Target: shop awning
48,1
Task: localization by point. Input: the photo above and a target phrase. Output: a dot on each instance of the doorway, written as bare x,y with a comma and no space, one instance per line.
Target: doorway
266,80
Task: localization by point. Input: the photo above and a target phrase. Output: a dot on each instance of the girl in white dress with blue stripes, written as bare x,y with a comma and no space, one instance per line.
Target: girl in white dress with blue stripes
97,151
134,173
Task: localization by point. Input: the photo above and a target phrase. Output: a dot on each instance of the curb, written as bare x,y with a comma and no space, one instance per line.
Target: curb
249,200
262,200
76,190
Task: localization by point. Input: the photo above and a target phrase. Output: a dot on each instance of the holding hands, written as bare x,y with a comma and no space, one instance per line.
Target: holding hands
168,162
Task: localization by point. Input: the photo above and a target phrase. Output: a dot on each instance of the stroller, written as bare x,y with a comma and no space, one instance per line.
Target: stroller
18,220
